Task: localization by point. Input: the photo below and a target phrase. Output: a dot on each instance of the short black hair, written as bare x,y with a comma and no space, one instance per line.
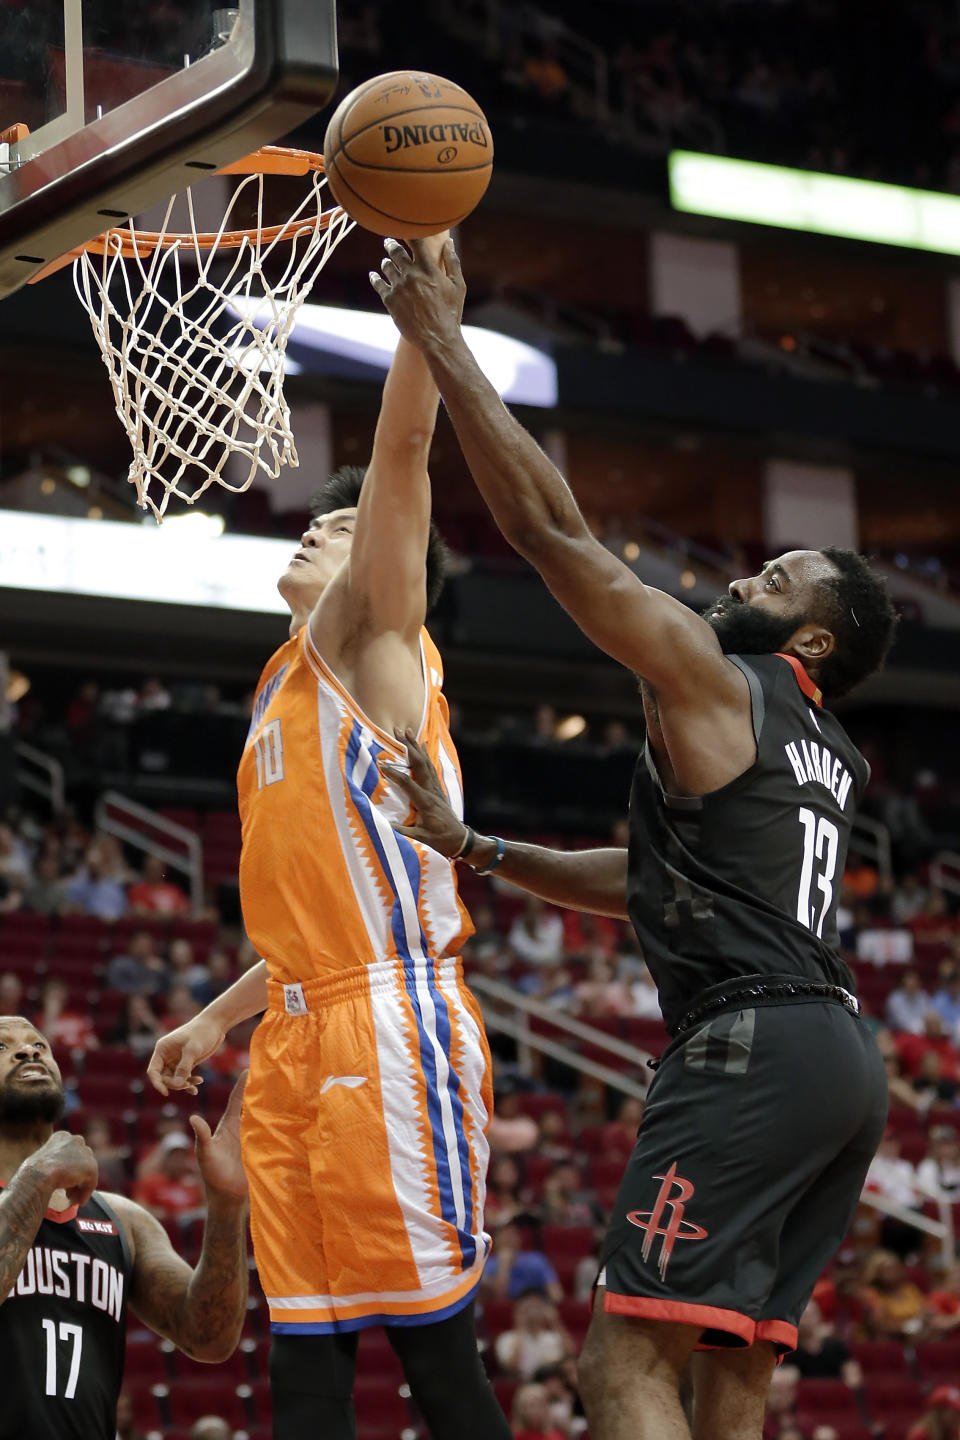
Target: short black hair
860,615
342,492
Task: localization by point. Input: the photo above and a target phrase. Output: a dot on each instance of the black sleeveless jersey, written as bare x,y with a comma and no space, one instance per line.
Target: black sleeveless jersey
63,1329
745,881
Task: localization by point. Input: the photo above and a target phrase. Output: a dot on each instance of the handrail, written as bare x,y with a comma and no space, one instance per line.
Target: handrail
520,1030
53,788
941,1229
190,864
942,862
498,991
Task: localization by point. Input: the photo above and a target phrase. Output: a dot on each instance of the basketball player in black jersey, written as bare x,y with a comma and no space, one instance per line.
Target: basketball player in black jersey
72,1259
769,1103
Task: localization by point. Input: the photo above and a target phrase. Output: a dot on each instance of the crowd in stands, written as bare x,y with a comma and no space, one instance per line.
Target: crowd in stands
811,83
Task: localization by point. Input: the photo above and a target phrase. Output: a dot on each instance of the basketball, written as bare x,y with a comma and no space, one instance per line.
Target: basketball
408,154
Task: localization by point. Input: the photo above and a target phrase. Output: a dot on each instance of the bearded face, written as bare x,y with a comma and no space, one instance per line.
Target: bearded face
31,1090
745,629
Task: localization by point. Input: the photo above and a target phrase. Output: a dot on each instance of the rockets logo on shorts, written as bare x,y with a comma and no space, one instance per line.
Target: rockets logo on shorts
676,1228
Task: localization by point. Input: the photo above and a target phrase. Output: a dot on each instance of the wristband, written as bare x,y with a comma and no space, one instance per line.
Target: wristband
469,840
500,852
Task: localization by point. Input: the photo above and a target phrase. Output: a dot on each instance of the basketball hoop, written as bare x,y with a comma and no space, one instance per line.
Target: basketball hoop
195,378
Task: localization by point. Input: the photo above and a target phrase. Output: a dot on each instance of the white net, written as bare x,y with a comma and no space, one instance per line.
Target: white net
194,334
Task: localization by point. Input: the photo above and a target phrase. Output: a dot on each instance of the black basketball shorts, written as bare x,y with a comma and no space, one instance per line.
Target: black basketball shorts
759,1128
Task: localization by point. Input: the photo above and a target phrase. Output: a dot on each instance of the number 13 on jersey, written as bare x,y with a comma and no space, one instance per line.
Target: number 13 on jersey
821,843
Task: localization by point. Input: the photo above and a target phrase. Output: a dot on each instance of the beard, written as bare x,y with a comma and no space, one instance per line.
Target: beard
744,629
30,1106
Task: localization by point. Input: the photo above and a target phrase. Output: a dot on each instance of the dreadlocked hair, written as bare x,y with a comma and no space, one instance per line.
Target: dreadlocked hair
861,617
342,492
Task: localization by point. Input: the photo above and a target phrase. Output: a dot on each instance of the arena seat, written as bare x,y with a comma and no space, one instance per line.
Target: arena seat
939,1360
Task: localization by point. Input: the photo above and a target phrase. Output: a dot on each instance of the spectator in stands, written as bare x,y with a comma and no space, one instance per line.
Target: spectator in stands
912,1048
881,944
620,1135
64,1028
930,1087
551,985
566,1201
219,977
860,880
601,995
781,1401
140,969
893,1177
895,1308
170,1121
934,925
530,1416
938,1174
563,1398
511,1270
183,968
504,1198
908,1005
944,1305
644,1000
154,894
127,1428
946,1002
511,1131
11,993
486,945
14,858
536,936
535,1339
941,1419
112,859
175,1190
181,1007
153,695
211,1427
46,891
553,1138
545,75
820,1355
95,892
111,1159
908,899
138,1027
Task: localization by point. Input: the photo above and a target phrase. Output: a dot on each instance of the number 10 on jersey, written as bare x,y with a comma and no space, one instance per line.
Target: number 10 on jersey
821,844
268,754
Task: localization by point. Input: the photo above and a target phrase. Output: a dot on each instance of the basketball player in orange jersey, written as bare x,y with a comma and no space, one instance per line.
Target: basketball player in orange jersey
365,1116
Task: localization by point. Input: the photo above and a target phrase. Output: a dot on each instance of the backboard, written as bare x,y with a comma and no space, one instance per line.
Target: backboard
107,108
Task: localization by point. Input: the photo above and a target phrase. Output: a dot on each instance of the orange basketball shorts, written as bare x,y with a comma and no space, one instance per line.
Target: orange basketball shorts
364,1143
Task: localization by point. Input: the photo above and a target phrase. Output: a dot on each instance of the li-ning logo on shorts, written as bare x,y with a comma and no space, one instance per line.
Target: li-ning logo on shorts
676,1227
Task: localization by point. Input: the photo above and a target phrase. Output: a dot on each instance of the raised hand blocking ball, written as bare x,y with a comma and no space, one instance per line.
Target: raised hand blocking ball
408,154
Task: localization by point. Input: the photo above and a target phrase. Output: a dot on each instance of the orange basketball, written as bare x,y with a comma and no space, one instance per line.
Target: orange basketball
408,154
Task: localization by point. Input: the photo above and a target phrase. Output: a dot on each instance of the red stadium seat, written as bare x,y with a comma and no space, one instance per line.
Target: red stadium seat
939,1361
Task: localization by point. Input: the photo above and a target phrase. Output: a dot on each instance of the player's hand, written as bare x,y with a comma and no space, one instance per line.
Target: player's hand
173,1064
218,1154
423,292
69,1164
436,824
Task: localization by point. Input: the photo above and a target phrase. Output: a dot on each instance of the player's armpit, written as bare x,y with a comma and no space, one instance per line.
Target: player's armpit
201,1311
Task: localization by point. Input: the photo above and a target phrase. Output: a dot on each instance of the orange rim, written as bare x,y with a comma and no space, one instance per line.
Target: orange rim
268,160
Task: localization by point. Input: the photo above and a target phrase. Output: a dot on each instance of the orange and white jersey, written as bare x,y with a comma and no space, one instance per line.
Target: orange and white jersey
325,882
366,1109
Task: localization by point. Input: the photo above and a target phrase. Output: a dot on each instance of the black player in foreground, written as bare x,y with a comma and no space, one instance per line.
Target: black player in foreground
72,1258
769,1103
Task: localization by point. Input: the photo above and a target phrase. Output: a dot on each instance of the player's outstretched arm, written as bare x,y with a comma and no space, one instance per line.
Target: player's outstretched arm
64,1162
202,1310
646,630
384,587
591,880
173,1064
